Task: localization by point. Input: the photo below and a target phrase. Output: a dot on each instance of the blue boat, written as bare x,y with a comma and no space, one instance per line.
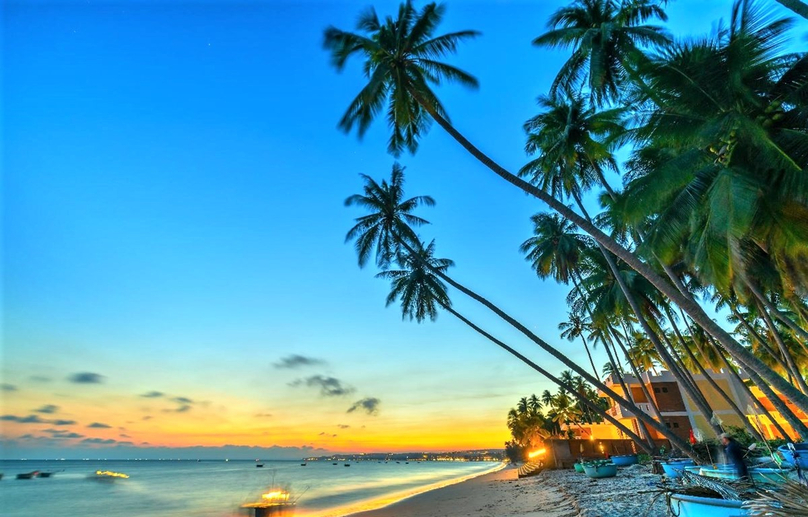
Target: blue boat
624,460
673,469
694,506
578,468
600,470
759,475
802,451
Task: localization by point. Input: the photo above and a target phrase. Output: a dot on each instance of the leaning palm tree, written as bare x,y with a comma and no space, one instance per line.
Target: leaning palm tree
573,328
400,64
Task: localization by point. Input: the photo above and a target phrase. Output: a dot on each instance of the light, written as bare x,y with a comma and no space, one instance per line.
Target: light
536,453
277,496
107,473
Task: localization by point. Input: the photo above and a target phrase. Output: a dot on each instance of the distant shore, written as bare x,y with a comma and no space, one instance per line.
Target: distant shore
552,493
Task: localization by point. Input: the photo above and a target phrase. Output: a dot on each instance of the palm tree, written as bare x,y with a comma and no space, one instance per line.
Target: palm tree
389,218
399,70
573,328
606,38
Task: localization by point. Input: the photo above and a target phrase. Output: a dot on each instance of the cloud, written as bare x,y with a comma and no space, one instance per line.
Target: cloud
100,441
35,419
7,387
263,415
182,409
297,361
67,435
183,400
329,386
369,405
62,422
99,425
343,426
86,378
147,417
153,394
48,409
30,419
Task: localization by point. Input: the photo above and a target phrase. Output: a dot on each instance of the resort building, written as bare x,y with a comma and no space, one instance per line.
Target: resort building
680,414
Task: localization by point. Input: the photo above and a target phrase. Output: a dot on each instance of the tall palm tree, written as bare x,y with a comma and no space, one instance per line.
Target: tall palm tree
606,39
398,75
574,327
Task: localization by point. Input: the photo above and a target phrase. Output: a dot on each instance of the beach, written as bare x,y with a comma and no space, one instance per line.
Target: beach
551,493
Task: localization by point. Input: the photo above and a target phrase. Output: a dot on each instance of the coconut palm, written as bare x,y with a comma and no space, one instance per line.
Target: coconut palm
574,327
607,38
399,66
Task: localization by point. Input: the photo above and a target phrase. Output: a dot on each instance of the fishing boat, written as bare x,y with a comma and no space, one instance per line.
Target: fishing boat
579,468
797,456
107,475
674,468
624,460
46,474
695,506
302,464
758,475
27,475
598,470
347,464
259,465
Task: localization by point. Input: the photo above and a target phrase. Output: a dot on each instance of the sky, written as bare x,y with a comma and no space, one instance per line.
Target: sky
174,268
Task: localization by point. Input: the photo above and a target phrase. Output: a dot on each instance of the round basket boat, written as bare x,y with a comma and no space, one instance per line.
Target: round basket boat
625,460
578,468
673,469
600,470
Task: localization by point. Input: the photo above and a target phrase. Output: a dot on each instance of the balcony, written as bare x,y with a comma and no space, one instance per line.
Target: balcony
618,411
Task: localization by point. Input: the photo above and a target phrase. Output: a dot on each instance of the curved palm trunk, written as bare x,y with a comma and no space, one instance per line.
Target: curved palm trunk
568,387
668,360
796,6
795,372
636,372
781,407
688,305
576,281
801,334
757,337
749,427
589,355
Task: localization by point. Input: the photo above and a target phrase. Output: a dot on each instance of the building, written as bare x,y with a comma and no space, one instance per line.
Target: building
681,415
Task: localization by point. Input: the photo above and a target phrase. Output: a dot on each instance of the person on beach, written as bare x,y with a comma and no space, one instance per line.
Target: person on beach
735,453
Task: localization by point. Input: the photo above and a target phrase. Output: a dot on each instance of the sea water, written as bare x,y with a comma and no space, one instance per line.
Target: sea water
217,488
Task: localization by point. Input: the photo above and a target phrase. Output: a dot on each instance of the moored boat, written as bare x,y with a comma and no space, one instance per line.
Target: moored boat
578,467
624,460
600,470
759,475
27,475
695,506
798,456
46,474
673,469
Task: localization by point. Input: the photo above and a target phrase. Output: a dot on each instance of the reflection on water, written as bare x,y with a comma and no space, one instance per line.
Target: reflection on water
216,488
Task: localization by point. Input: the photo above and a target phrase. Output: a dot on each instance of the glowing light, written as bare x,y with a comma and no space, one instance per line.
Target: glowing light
110,474
276,496
536,453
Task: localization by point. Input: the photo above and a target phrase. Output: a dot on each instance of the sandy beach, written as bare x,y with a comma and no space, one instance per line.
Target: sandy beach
552,493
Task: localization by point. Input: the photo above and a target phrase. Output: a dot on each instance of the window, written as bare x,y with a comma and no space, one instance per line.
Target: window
668,424
676,425
656,390
664,390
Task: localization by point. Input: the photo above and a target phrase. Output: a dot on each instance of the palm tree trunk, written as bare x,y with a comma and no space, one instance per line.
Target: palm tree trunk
568,387
749,427
689,306
783,349
589,355
667,359
801,336
796,6
781,407
754,334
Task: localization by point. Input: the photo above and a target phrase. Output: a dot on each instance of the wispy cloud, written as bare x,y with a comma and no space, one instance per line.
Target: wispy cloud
7,387
100,441
263,415
369,405
99,425
48,409
153,394
35,419
181,409
298,361
62,422
329,386
86,378
343,426
183,400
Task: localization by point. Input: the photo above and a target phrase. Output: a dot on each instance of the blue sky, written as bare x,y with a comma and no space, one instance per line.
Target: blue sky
173,186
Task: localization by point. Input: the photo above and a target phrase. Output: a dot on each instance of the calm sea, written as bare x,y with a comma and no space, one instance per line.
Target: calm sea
217,488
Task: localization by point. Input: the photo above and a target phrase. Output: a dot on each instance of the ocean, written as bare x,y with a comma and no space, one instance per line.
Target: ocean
218,488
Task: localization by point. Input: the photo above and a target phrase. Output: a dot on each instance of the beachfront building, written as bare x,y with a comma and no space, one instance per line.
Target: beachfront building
681,415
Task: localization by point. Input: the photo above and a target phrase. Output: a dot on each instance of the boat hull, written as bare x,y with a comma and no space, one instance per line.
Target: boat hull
674,469
802,450
578,468
625,460
693,506
601,471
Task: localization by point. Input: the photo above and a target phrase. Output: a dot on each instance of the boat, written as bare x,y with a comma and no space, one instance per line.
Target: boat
46,474
302,464
797,456
108,475
28,475
600,470
334,463
347,464
694,506
579,468
758,475
624,460
673,469
259,465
